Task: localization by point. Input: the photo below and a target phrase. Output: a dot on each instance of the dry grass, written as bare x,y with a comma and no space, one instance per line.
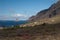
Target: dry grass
39,32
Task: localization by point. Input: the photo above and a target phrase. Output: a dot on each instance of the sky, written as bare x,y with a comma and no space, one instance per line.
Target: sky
22,9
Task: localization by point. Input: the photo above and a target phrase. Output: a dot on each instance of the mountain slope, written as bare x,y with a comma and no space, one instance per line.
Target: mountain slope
47,13
48,16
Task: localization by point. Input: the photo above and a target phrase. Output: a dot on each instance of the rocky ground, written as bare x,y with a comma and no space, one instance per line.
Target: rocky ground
38,32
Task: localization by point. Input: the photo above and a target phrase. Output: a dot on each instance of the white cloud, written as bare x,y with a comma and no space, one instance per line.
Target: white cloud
18,15
14,16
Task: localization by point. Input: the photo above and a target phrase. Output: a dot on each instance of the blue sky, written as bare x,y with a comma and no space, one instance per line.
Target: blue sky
22,9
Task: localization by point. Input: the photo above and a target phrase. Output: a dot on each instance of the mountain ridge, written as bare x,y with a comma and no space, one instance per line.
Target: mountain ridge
47,13
46,16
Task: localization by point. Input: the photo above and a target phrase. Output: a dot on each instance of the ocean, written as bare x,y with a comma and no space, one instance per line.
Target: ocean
10,23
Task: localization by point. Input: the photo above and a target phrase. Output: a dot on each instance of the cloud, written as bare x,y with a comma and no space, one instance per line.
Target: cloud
18,15
14,16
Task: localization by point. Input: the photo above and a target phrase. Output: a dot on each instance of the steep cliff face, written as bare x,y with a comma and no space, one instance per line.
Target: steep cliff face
47,13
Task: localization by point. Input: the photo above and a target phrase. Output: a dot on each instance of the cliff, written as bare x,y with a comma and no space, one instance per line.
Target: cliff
47,13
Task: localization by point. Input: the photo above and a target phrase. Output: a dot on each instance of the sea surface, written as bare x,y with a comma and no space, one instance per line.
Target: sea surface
10,23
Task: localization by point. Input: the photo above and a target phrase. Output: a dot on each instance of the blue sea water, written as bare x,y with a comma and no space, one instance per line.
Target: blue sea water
10,23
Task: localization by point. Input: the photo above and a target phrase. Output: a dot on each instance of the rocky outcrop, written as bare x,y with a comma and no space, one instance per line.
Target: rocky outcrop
47,13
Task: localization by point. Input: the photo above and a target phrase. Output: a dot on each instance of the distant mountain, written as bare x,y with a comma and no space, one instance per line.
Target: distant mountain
47,13
7,23
47,16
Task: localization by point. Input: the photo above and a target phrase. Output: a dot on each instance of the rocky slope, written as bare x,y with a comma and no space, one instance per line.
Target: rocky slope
47,13
49,16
